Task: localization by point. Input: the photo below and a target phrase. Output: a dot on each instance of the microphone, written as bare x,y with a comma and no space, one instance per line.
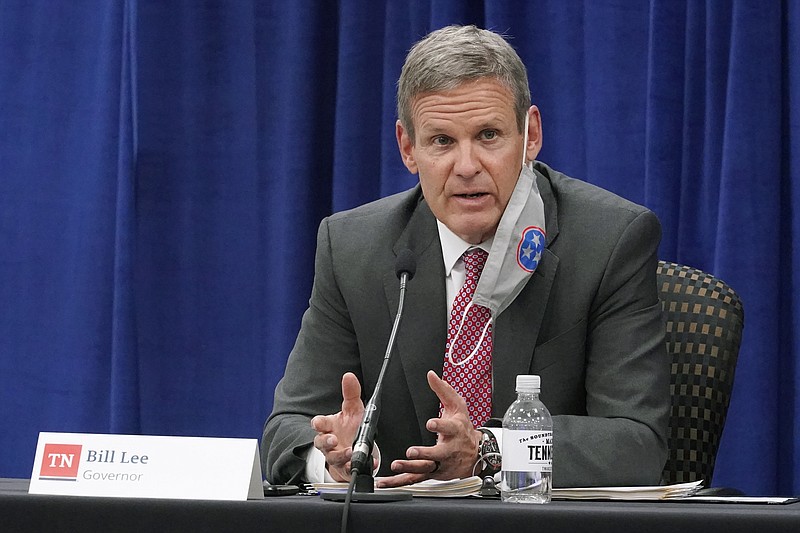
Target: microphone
361,460
406,264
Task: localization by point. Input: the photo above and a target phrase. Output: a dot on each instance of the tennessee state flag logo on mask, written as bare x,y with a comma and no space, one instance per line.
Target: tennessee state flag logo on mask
530,248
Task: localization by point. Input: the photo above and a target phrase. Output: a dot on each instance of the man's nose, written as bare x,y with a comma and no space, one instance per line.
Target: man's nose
467,163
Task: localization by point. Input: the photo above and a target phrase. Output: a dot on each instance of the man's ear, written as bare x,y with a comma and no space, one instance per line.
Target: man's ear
406,147
534,133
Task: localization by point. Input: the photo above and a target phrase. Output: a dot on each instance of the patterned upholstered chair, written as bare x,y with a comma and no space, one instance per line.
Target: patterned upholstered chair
704,319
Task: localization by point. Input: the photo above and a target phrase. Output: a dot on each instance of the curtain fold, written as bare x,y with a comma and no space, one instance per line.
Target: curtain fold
124,380
164,167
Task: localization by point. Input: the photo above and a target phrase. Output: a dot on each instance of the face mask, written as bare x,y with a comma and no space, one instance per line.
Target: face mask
517,247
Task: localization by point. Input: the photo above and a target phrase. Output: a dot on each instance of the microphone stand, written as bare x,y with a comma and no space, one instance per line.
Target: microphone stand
361,460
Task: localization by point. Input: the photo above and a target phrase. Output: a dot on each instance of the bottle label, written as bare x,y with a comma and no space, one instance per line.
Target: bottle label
527,450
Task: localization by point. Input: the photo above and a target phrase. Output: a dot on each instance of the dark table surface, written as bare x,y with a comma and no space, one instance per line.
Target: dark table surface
20,511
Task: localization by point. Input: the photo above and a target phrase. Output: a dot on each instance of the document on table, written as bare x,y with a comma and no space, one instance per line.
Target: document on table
471,487
654,492
432,488
743,499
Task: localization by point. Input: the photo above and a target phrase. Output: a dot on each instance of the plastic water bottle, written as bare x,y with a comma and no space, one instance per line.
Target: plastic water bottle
527,446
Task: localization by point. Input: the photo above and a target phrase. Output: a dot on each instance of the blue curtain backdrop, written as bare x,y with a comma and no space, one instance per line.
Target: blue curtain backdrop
164,166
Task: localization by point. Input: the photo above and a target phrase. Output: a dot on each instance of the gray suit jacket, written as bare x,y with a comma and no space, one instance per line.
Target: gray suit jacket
588,322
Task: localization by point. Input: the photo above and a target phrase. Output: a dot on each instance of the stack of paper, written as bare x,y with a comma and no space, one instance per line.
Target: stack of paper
429,488
656,492
455,487
471,486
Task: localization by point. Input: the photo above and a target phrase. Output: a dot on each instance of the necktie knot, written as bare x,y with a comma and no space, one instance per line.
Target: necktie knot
474,261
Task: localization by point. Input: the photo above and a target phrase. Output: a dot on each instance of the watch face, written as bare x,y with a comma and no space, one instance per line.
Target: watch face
490,455
493,459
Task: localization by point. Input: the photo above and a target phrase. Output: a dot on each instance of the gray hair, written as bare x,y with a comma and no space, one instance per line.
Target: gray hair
446,58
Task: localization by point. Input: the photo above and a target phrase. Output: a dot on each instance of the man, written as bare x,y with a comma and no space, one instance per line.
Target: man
583,314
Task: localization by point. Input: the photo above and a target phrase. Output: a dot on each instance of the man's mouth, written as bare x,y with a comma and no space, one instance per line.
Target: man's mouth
472,195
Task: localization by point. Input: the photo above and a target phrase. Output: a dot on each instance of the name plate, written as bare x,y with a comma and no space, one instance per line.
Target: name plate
194,468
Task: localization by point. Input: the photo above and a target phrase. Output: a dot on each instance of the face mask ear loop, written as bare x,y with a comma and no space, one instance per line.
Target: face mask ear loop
525,140
458,333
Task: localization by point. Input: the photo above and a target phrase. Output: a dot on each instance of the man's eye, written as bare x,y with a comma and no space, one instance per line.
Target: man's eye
488,134
441,140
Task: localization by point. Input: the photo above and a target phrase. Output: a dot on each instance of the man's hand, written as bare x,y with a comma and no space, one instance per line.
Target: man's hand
335,433
456,449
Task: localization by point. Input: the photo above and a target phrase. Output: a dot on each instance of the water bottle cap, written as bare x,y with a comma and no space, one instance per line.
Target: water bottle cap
528,383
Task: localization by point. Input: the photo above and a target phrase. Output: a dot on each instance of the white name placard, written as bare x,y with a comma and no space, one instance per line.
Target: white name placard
195,468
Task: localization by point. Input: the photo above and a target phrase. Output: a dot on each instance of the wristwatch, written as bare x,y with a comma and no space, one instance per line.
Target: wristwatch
490,461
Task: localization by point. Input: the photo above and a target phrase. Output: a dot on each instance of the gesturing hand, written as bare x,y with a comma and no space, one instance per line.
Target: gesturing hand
455,452
335,433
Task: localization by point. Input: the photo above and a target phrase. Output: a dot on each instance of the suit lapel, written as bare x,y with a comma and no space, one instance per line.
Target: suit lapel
517,328
422,334
516,331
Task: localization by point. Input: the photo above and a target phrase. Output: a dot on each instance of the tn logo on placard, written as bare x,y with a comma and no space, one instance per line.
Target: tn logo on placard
61,461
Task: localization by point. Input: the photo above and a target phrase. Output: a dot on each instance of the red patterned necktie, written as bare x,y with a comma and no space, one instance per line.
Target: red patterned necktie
468,364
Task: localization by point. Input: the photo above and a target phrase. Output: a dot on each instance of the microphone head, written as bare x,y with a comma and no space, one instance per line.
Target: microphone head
406,262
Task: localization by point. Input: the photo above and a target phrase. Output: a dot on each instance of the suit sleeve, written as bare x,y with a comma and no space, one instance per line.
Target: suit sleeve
623,440
325,349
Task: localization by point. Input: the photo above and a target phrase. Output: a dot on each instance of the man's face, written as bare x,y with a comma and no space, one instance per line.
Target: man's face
468,153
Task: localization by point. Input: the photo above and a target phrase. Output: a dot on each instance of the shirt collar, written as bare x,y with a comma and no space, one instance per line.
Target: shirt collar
453,246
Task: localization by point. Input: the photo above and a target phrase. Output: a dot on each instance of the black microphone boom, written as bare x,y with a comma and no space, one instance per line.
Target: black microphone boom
361,460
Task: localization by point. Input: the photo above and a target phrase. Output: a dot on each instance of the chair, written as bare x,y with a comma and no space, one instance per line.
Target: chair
704,319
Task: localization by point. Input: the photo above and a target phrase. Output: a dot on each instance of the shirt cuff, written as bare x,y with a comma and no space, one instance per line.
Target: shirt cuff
315,467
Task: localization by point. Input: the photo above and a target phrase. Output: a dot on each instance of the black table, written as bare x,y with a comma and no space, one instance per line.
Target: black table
20,511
